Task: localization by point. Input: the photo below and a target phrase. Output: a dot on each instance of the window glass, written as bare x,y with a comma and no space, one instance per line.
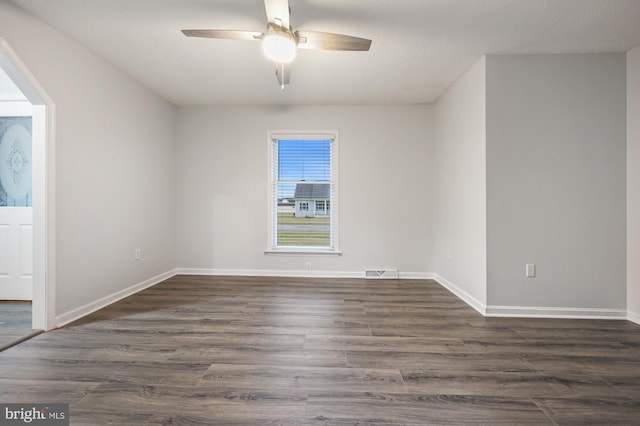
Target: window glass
303,185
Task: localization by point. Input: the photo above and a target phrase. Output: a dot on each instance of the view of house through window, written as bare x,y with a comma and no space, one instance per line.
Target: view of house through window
303,183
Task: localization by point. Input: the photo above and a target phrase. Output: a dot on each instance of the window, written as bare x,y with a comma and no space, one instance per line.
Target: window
303,186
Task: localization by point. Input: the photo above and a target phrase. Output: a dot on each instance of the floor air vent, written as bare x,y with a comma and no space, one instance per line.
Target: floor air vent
381,274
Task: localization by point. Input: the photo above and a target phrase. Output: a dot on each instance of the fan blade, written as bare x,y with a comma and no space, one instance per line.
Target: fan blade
226,34
283,74
329,41
278,12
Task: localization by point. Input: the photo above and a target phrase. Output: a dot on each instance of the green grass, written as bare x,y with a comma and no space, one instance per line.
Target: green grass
306,239
290,219
303,238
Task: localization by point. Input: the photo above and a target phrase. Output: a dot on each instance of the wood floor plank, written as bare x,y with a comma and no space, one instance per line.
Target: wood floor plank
444,328
159,373
15,322
268,357
195,419
212,403
304,378
81,417
524,384
437,361
385,344
559,363
628,384
422,409
294,351
555,347
590,411
42,390
66,370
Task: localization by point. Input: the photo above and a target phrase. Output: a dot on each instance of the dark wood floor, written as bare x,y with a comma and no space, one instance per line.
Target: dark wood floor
219,350
15,323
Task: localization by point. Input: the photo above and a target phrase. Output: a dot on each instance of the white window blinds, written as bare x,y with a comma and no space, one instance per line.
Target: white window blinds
303,191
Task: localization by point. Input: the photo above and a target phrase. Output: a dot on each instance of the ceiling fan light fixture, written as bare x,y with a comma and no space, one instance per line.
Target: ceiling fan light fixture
279,46
280,41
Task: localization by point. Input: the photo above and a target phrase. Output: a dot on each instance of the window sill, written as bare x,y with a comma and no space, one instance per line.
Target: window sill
302,252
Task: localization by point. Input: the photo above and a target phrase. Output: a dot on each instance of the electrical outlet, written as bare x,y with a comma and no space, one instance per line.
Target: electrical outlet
530,270
308,266
137,254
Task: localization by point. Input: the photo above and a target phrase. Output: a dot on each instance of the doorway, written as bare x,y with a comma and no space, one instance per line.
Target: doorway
32,210
16,215
16,196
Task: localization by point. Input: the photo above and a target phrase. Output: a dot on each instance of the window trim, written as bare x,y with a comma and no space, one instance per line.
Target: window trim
274,135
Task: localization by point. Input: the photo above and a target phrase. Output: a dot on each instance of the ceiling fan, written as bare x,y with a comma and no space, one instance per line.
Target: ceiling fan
280,42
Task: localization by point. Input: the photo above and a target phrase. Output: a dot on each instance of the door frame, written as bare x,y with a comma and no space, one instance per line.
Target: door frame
43,152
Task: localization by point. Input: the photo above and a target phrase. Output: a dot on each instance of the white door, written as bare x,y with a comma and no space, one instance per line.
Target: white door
16,217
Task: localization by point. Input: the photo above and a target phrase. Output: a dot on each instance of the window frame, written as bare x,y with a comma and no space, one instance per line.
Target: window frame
273,137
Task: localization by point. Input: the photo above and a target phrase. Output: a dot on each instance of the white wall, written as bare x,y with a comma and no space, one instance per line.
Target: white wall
384,187
556,181
459,225
633,184
114,166
9,92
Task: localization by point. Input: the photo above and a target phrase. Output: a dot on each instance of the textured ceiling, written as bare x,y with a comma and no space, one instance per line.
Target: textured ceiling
419,49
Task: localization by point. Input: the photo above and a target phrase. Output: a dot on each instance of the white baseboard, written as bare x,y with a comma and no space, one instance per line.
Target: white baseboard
268,273
535,311
553,312
633,317
293,273
91,307
461,294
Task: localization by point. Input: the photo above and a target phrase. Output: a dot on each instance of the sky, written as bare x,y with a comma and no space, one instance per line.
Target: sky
302,160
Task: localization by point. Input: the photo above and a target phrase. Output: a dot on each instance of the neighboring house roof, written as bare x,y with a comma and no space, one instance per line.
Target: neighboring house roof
312,191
